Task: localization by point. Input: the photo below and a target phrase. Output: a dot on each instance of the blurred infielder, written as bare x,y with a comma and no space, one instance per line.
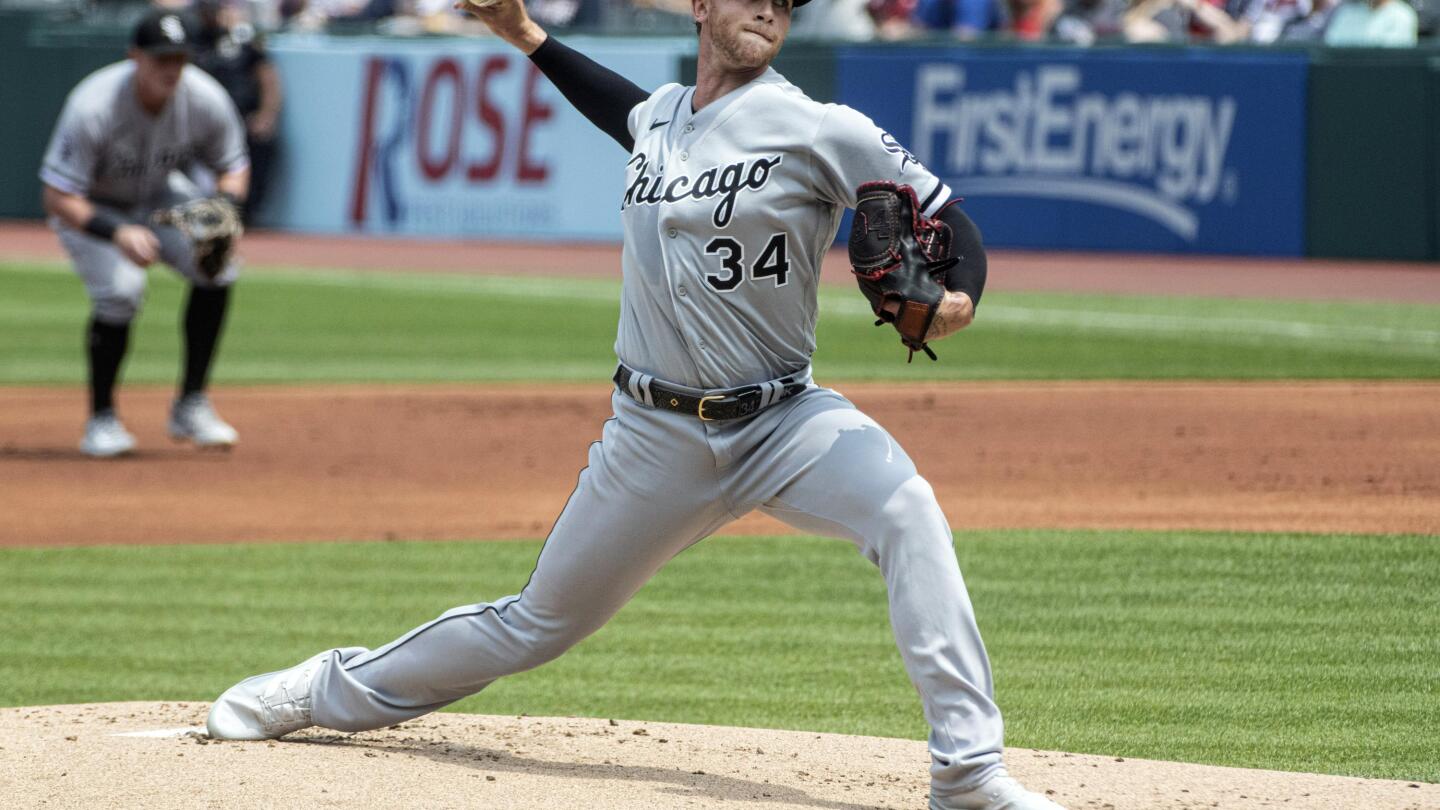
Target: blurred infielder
116,192
733,192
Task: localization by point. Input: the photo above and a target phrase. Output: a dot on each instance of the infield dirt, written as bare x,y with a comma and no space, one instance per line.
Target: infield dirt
433,462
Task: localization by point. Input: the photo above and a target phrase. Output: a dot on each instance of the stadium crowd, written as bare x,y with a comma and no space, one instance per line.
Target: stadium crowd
1373,23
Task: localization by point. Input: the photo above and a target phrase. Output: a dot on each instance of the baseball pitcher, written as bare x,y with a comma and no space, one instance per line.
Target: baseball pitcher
116,192
733,192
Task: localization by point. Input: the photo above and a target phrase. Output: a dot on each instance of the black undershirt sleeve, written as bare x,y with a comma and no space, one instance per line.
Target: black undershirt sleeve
969,275
600,94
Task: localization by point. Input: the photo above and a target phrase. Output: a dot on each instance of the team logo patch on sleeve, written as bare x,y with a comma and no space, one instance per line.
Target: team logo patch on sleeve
893,147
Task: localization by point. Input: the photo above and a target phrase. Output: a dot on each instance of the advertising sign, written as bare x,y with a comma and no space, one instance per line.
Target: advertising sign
1183,151
448,138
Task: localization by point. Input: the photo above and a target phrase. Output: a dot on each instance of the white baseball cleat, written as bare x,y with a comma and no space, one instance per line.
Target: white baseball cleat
999,793
266,706
192,418
105,437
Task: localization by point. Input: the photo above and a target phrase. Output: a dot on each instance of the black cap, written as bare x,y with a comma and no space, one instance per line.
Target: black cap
162,32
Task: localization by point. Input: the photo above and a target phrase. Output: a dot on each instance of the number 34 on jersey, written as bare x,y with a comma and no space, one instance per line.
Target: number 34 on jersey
735,268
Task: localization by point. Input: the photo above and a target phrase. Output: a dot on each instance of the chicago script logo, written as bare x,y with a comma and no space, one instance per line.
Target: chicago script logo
725,182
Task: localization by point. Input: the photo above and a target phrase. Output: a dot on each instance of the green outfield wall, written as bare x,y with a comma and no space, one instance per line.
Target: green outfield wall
41,58
1362,128
1373,188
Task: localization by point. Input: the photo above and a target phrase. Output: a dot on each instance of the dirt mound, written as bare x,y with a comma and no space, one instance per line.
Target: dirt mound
154,755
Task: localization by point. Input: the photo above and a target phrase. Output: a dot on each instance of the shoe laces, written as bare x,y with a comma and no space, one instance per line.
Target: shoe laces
290,707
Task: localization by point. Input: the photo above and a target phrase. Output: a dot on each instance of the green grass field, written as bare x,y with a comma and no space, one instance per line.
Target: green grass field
323,326
1313,653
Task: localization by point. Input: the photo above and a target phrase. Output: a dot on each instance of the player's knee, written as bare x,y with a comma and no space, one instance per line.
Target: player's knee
542,637
119,309
548,644
910,515
914,496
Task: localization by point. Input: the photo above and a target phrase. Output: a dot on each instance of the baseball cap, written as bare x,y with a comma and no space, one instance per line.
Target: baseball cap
162,32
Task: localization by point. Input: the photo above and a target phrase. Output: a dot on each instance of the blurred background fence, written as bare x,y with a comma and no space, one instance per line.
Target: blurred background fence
405,127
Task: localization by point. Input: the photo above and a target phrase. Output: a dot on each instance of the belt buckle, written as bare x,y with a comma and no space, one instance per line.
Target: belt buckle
700,411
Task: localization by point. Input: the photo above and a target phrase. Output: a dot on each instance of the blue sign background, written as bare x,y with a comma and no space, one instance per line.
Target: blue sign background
1249,202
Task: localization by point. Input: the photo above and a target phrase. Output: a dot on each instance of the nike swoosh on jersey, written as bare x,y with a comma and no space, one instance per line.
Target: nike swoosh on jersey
659,124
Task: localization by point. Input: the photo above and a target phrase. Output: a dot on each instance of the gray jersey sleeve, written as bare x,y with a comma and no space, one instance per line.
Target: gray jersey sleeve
70,158
222,147
849,150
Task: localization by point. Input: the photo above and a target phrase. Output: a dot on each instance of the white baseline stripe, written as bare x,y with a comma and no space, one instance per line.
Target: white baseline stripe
1239,329
1234,329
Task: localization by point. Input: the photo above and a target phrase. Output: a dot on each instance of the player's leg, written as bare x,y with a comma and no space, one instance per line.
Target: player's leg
116,288
263,152
827,468
649,492
192,417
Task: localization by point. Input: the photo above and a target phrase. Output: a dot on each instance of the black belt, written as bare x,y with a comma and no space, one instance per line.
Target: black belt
710,406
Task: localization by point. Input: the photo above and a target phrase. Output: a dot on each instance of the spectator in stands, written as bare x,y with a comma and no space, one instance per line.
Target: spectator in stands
227,48
312,15
1262,21
1428,14
1311,26
1030,20
1182,21
1085,21
833,20
1382,23
964,19
1154,21
289,11
894,19
565,13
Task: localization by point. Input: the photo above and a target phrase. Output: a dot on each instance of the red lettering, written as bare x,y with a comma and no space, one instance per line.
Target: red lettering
445,69
535,111
491,119
361,189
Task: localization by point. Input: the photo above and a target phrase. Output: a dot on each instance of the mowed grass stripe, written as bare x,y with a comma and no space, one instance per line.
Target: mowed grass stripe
318,326
1326,322
1308,653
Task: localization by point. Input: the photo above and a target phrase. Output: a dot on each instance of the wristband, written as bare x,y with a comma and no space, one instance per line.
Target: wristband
103,224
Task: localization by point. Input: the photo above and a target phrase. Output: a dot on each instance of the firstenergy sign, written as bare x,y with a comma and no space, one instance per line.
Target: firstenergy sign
1157,155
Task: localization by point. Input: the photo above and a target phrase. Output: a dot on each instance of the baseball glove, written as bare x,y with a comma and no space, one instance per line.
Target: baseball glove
900,258
212,224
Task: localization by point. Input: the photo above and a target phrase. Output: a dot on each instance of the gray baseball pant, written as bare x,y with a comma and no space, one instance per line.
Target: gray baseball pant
657,483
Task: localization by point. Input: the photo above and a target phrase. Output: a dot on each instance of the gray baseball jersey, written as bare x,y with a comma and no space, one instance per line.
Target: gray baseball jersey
107,148
727,214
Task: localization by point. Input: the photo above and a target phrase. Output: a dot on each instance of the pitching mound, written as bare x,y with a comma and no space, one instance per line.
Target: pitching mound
154,755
